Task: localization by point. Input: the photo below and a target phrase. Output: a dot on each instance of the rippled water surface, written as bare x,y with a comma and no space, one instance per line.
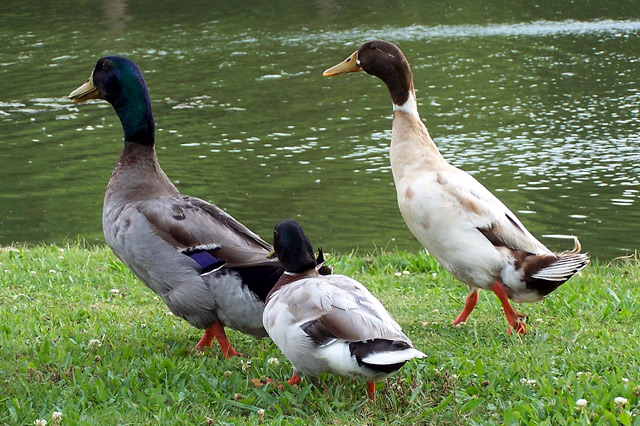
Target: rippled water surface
540,104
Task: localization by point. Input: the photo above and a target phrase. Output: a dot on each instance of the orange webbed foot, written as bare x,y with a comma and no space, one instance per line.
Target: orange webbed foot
519,327
294,380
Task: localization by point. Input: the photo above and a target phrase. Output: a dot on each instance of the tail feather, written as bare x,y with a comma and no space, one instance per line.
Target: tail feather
383,356
563,268
547,272
393,357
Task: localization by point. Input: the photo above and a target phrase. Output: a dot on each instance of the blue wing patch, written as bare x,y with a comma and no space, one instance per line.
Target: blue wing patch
207,261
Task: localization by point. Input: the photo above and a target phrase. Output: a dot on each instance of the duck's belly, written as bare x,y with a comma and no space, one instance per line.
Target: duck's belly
440,225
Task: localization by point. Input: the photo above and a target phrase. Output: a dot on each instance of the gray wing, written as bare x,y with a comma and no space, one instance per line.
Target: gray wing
338,307
189,223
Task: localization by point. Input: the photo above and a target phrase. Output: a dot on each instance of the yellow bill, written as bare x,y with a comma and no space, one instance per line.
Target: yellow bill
85,92
348,65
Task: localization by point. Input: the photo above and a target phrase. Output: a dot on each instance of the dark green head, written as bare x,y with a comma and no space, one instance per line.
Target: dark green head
293,248
119,81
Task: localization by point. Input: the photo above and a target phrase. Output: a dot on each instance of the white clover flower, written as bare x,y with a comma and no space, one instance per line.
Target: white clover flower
168,313
581,403
56,417
114,291
33,273
53,271
398,274
61,250
95,343
434,275
40,422
261,415
624,379
579,373
227,373
539,320
406,273
273,361
529,382
245,365
621,401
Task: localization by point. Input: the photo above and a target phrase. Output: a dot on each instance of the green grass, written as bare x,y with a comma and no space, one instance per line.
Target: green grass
70,343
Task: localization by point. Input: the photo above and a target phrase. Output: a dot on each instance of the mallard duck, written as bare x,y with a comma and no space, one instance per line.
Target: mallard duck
463,225
329,323
207,267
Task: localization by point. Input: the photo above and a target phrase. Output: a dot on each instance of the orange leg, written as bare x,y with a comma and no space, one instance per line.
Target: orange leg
294,380
371,391
509,312
471,302
217,331
206,340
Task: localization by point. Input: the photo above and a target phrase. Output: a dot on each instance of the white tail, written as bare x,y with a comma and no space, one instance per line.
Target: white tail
393,357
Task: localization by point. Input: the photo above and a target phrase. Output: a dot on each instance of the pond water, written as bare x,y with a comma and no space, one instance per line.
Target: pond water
541,104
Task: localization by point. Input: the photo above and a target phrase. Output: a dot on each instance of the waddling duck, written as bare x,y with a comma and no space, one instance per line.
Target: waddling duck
329,323
208,268
463,225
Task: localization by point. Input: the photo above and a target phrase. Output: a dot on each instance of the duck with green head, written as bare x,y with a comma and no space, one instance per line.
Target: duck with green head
207,267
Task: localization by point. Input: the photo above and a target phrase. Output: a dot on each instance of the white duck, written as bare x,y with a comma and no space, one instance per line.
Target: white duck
329,323
463,225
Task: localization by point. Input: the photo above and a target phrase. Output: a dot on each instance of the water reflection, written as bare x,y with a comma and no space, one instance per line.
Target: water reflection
543,113
116,16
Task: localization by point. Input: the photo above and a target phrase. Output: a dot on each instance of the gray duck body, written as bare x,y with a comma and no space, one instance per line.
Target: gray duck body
207,267
149,225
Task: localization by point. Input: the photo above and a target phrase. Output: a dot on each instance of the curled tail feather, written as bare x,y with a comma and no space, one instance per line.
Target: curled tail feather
547,272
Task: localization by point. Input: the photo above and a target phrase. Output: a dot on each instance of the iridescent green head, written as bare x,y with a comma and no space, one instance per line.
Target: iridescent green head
120,82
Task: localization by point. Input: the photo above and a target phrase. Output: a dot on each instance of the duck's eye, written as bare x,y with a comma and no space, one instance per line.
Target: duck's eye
373,47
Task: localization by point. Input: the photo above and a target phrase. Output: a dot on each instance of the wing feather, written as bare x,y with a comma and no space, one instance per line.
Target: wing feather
338,307
189,223
488,214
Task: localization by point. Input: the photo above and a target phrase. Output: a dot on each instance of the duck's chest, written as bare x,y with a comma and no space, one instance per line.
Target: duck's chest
422,203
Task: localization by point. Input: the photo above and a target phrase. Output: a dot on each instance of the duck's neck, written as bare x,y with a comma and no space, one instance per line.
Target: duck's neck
410,106
290,277
133,107
412,149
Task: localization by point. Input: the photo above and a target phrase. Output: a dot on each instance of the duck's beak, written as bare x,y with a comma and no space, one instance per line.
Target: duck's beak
85,92
351,64
272,255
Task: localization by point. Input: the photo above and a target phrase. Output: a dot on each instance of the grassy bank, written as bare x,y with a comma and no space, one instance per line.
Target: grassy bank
79,334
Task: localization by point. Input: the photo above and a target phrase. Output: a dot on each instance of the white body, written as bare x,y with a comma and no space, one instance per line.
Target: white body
357,314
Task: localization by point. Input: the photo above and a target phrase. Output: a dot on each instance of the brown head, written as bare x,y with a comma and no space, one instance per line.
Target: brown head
383,60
